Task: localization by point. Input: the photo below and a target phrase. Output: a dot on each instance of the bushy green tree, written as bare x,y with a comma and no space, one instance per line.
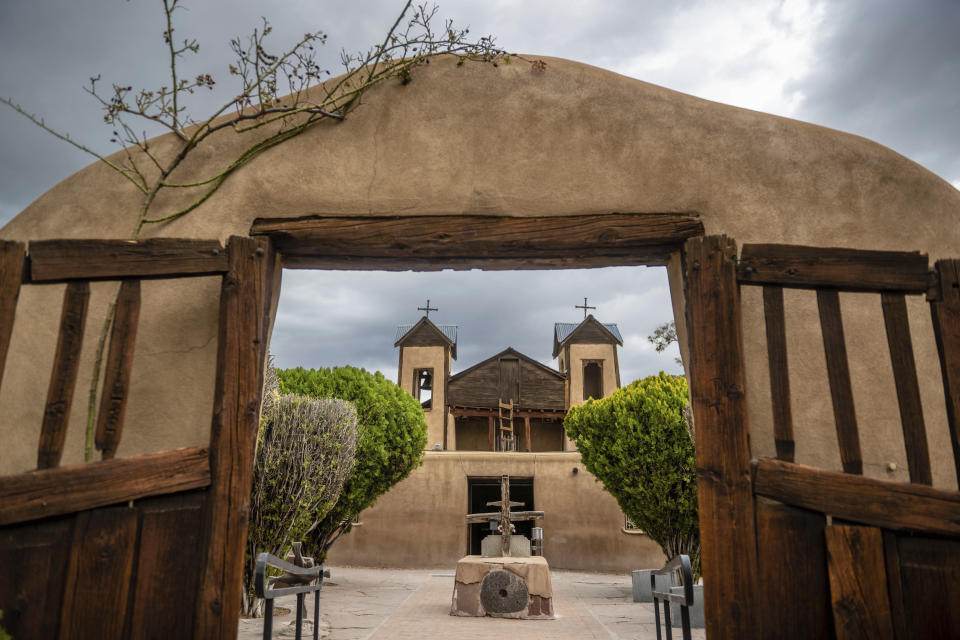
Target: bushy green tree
305,452
393,435
636,443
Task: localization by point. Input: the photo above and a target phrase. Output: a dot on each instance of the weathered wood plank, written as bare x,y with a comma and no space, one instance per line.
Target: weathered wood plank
98,574
168,554
779,373
526,432
879,503
33,557
116,377
243,335
847,269
891,557
12,260
838,373
431,242
946,327
908,388
63,260
727,526
66,362
650,256
858,583
792,572
930,574
50,492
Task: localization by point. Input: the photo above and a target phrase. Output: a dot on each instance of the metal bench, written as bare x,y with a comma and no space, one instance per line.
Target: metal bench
683,577
310,579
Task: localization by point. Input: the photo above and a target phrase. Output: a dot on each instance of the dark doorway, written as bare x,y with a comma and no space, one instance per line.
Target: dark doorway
480,491
592,380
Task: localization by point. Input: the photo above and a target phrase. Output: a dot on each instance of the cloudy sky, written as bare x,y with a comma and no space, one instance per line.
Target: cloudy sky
885,69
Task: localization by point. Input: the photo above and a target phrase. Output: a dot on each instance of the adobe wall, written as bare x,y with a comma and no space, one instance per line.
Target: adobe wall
469,140
582,523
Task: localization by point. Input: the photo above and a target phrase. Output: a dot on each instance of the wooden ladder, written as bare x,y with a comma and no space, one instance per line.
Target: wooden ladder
507,440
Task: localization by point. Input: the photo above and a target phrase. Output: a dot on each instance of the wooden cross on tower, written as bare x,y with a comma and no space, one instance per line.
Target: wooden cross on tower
576,306
428,308
505,516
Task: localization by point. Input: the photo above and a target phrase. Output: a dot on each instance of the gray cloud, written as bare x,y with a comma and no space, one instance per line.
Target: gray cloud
890,71
329,318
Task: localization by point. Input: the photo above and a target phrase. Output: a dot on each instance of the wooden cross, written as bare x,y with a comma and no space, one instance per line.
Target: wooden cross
576,306
428,308
505,516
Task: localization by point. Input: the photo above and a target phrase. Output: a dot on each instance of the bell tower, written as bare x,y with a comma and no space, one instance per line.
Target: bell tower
426,351
587,356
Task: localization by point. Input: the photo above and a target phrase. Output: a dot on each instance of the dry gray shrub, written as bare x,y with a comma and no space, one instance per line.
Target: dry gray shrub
305,451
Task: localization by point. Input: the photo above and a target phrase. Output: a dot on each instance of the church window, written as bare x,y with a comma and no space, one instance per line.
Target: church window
592,379
423,387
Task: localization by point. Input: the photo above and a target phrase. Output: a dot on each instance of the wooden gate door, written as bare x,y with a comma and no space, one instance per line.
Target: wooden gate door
149,546
792,551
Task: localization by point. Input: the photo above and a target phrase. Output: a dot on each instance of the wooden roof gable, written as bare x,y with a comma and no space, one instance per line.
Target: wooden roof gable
509,352
424,334
590,331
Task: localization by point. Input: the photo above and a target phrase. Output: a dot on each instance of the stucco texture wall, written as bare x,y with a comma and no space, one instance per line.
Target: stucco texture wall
572,139
581,352
582,523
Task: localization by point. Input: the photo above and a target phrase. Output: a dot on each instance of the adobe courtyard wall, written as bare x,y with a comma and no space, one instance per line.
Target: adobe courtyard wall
420,521
571,139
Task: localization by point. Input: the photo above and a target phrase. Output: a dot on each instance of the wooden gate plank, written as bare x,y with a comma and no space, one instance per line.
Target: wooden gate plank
858,583
116,377
881,503
170,545
930,574
240,364
946,327
908,389
11,274
98,574
50,492
846,269
779,373
838,373
727,530
33,557
64,260
56,413
792,577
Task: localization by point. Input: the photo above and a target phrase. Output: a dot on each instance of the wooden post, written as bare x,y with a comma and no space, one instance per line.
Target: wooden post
526,431
11,273
244,328
727,526
946,328
491,436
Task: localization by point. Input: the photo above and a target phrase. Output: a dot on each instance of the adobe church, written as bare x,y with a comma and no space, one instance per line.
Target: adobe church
503,415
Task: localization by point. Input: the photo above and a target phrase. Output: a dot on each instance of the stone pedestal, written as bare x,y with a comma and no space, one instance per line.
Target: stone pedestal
490,546
503,588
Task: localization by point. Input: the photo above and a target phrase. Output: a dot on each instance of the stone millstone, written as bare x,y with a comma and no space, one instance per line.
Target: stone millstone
503,592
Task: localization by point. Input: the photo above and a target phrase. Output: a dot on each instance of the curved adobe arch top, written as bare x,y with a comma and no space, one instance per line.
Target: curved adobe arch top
571,139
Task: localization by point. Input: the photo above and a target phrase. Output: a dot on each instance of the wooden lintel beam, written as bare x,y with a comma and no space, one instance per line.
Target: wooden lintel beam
63,260
465,242
853,498
52,492
844,269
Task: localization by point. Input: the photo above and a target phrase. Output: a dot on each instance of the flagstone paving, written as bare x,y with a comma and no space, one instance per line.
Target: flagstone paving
389,604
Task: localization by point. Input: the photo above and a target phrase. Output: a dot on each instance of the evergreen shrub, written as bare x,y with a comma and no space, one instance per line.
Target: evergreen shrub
637,443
